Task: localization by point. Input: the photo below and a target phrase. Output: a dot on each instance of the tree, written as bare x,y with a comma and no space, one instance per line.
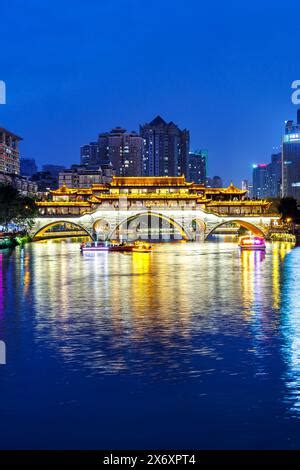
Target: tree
287,207
274,205
16,208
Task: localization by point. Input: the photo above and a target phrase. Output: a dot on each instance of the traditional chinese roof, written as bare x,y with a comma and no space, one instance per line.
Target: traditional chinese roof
94,199
232,190
84,192
63,190
163,181
143,196
99,186
239,203
63,203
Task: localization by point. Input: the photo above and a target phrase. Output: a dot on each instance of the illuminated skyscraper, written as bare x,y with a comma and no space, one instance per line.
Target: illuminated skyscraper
123,150
9,152
291,159
28,166
260,189
166,148
197,161
89,154
274,175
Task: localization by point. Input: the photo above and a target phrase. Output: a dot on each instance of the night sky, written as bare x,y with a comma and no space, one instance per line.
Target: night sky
74,69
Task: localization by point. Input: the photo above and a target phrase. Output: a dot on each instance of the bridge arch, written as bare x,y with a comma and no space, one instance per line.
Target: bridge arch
198,228
198,224
256,230
101,227
42,230
128,220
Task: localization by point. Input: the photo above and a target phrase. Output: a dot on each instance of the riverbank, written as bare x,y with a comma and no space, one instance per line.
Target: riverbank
13,241
283,237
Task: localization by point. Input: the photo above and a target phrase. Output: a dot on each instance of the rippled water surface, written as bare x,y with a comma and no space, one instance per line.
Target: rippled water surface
191,346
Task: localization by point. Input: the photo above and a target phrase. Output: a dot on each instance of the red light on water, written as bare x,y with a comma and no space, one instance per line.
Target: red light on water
258,241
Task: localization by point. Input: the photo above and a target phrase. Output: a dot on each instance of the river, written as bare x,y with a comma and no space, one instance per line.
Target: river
191,346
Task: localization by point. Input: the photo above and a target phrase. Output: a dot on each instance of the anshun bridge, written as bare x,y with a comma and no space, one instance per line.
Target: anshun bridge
137,207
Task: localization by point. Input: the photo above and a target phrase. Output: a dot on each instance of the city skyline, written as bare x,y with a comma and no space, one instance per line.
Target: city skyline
85,157
223,92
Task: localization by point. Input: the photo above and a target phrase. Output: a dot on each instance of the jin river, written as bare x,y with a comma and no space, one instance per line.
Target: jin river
190,346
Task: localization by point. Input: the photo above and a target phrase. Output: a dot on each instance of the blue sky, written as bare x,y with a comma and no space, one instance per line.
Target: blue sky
221,69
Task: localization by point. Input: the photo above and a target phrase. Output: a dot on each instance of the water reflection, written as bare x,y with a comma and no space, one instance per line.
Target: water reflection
203,333
290,311
111,311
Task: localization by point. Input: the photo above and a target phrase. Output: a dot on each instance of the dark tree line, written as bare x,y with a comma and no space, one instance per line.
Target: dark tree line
16,208
286,207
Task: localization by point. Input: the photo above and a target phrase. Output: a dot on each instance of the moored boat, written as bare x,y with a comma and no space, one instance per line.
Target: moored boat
137,247
105,246
93,246
142,247
250,242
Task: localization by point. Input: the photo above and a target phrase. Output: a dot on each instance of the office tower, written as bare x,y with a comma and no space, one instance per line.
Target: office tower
217,182
53,170
260,188
28,167
9,152
89,154
274,176
81,176
123,150
245,185
197,162
291,159
166,148
44,181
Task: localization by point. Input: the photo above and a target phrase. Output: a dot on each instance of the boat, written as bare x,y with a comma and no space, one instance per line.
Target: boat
142,247
251,242
137,247
93,246
105,246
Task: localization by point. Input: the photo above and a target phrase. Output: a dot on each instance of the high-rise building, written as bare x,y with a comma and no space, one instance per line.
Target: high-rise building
245,185
274,176
166,148
9,152
197,161
80,176
28,167
291,159
267,178
44,181
217,182
260,187
89,154
123,150
53,170
22,183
